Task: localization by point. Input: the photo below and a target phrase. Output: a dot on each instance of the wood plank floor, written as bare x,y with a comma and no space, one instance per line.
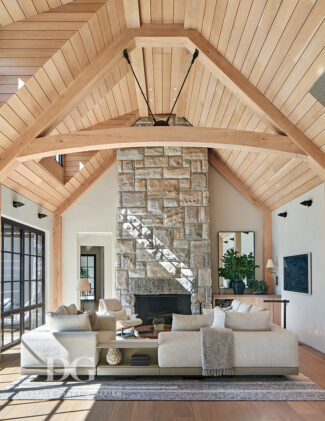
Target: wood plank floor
312,364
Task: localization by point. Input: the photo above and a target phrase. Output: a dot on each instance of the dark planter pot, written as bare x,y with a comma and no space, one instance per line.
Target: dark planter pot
258,293
238,287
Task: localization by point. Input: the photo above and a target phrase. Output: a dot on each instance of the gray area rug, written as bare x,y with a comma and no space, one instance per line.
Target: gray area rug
247,388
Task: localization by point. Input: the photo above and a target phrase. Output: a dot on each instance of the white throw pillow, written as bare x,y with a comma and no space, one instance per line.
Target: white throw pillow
190,322
244,308
67,323
219,318
256,309
247,321
235,305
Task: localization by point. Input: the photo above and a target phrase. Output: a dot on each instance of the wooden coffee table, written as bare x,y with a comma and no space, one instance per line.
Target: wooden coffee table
153,334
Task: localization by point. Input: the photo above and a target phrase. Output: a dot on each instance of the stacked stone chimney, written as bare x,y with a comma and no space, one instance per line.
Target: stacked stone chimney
163,244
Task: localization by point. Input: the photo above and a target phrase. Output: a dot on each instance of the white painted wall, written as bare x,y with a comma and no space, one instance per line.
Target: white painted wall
27,215
90,221
230,211
303,231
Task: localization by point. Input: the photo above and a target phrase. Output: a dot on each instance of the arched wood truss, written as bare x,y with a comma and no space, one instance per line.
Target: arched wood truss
65,87
247,95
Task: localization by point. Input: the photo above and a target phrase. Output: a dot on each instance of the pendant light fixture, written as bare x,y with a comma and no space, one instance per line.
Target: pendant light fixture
161,122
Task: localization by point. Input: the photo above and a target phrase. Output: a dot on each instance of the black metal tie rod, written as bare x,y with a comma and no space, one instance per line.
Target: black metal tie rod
285,302
162,122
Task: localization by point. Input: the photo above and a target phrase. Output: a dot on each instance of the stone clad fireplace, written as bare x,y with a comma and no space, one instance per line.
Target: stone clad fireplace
163,244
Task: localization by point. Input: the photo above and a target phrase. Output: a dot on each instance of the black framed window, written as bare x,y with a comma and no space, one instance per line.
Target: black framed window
22,281
88,270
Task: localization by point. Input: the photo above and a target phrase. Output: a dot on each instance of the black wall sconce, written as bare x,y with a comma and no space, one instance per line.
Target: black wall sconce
307,203
283,214
17,204
42,215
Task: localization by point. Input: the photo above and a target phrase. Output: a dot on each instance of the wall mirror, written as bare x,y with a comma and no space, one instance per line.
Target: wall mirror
241,241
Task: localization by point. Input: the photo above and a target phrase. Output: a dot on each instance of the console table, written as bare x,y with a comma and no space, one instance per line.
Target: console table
223,300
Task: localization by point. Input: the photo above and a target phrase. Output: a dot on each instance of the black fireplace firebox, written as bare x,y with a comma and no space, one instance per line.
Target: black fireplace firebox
164,305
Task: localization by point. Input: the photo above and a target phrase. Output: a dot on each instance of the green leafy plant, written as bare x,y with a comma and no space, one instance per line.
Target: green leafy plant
258,286
236,267
158,321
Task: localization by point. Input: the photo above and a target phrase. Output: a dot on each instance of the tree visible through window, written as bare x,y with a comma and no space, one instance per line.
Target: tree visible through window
88,270
22,280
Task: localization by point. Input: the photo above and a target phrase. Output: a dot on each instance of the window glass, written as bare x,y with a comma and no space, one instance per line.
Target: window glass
22,280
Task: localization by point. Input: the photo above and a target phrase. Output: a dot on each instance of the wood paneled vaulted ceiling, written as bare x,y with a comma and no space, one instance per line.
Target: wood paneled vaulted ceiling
62,72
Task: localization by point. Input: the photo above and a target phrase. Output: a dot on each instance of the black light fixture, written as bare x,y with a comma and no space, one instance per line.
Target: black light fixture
307,203
225,242
42,215
17,204
160,122
283,214
232,239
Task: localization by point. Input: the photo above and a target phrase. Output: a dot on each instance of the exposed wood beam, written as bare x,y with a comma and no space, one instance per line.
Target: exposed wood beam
86,185
112,138
250,95
237,183
64,104
138,66
267,249
57,261
132,13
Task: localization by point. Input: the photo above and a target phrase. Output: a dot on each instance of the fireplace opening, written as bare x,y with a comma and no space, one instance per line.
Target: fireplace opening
150,306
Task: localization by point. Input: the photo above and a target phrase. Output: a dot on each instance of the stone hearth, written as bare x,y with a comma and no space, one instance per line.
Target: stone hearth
163,244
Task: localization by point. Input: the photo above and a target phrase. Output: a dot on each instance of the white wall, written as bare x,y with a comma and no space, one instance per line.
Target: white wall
28,215
229,210
90,221
303,231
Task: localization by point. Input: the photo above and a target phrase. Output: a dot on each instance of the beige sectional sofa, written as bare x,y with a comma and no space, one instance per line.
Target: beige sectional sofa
270,352
43,350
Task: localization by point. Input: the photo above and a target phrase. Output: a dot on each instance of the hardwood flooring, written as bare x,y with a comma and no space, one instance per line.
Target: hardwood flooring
312,364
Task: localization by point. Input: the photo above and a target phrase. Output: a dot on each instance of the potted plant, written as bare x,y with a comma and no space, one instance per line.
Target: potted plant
258,287
158,323
236,268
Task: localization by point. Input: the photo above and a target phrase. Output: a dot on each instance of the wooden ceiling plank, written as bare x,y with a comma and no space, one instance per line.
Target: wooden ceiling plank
60,108
132,13
191,12
85,186
243,88
139,69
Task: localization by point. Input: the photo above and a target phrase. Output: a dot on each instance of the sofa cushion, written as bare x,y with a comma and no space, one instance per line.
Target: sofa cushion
71,309
105,336
67,323
243,308
190,322
209,311
219,318
247,321
256,309
93,319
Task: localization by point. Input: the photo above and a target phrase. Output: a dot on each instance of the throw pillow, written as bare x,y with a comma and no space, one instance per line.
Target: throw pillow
61,310
247,321
190,322
244,308
219,318
71,309
235,304
256,309
67,323
93,319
